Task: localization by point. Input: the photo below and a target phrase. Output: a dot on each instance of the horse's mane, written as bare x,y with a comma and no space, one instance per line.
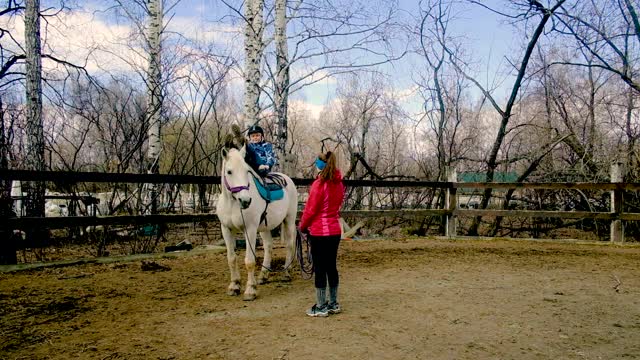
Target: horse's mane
235,139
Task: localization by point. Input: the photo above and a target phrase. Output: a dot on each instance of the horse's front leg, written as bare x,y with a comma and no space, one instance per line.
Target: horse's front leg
267,244
250,293
230,242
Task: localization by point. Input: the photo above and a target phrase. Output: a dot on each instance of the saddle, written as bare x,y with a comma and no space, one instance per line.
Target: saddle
270,187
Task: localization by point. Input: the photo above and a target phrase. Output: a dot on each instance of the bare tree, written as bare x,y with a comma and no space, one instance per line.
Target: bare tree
6,133
35,132
311,41
301,141
200,112
22,65
433,38
560,131
368,123
69,142
440,126
13,51
149,30
609,31
7,247
533,9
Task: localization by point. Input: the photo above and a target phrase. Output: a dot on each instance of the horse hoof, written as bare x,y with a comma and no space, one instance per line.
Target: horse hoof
249,297
263,278
233,292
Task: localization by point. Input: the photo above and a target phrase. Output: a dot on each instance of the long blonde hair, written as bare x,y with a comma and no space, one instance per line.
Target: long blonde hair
329,171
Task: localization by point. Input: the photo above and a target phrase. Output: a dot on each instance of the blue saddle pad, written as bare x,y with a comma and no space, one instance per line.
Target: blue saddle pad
269,194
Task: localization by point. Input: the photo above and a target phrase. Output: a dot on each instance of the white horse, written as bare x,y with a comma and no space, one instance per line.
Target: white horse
240,209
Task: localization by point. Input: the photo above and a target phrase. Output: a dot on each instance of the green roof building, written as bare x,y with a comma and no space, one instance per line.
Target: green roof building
499,176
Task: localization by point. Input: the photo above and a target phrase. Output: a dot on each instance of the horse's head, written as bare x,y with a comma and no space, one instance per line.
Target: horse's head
235,175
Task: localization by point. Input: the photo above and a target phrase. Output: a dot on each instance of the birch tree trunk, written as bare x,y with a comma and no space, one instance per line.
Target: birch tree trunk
253,47
34,159
154,90
282,82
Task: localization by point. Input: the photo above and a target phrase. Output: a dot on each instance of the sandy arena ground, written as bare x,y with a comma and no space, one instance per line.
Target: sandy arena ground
402,299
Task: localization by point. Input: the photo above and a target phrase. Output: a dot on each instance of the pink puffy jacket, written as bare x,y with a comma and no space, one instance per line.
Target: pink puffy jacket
322,212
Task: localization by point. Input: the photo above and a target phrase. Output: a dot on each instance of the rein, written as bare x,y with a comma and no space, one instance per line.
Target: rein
244,230
304,256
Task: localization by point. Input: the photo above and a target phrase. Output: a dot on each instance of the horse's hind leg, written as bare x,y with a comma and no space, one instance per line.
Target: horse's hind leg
230,242
288,235
267,244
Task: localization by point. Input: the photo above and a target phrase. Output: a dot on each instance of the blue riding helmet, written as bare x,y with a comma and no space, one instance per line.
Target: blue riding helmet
255,129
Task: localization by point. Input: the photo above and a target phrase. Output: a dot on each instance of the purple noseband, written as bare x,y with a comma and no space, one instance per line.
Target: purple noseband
234,189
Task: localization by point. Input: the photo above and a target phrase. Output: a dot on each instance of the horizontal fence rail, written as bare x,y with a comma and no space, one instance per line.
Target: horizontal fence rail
70,177
553,186
72,221
450,211
550,214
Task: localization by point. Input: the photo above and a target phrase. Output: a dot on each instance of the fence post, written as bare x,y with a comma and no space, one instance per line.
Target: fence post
8,241
451,202
617,228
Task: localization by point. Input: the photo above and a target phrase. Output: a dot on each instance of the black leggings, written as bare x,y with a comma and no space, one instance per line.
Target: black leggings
324,252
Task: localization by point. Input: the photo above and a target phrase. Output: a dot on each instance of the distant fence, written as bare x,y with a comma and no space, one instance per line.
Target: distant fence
450,212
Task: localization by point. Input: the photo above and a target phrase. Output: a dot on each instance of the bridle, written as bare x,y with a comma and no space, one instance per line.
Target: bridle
234,189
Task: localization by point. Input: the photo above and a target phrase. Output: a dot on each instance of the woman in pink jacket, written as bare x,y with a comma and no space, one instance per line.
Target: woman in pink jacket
321,220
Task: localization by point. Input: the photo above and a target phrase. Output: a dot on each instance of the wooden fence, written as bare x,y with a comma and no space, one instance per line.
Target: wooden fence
450,212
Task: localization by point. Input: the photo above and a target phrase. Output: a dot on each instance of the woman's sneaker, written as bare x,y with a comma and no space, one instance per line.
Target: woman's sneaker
334,308
318,311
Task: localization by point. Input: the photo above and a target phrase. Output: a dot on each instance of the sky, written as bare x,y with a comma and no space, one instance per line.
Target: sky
483,35
486,38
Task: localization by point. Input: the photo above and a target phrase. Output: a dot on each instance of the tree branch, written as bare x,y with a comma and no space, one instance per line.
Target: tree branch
12,60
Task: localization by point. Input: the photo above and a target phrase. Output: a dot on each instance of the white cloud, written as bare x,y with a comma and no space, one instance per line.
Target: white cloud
406,94
318,77
201,31
82,38
313,110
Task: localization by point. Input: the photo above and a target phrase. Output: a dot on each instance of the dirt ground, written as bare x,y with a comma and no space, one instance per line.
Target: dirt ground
402,299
